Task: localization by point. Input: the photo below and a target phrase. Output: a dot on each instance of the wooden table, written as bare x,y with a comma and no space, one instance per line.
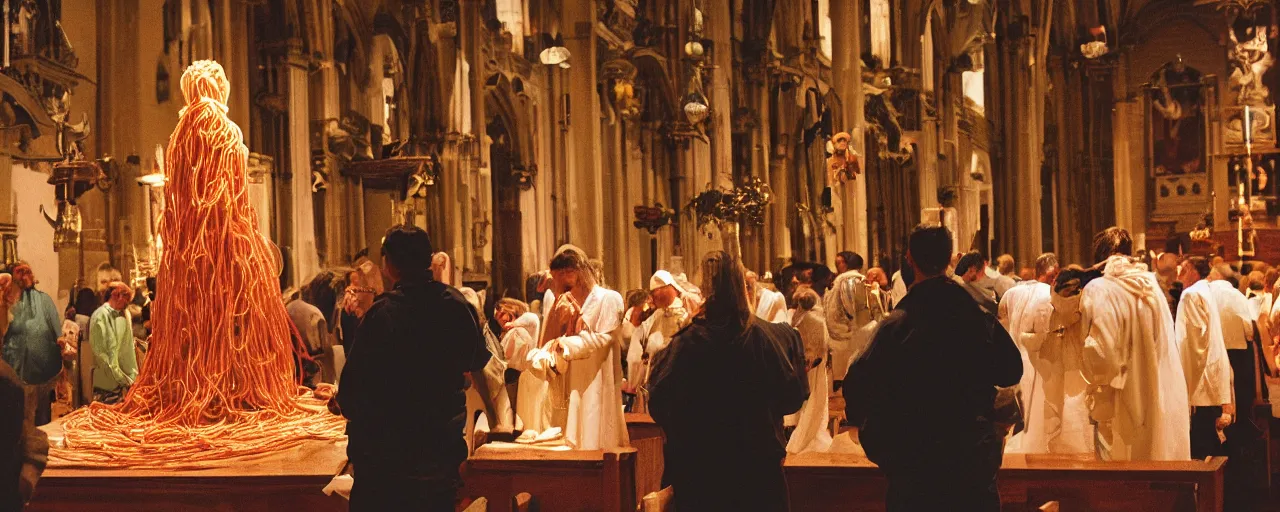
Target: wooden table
286,480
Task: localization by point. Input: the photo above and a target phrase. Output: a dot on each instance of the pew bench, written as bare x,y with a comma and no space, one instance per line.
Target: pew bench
834,481
556,480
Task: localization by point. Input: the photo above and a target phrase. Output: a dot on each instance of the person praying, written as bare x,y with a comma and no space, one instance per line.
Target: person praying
579,355
111,338
667,317
850,314
937,345
1199,327
519,337
1019,310
1139,393
811,433
31,338
737,468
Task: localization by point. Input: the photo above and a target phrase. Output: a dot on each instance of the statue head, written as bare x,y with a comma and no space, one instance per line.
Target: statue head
205,79
841,141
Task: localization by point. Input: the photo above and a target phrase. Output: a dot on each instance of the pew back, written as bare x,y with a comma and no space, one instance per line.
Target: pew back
569,480
830,481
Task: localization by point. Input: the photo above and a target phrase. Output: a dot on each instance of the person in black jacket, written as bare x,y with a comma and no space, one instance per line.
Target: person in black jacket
719,390
24,449
403,388
923,392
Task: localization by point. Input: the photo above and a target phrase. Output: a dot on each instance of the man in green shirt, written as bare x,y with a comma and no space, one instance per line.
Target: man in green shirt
111,336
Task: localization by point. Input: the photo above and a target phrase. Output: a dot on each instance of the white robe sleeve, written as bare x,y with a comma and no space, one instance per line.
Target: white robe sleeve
598,333
1105,350
1192,333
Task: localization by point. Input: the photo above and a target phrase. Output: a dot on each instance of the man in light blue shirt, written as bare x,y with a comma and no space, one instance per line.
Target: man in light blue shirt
30,343
111,336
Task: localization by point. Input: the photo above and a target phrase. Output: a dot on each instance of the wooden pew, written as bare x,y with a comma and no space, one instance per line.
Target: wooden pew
646,438
292,479
570,480
831,481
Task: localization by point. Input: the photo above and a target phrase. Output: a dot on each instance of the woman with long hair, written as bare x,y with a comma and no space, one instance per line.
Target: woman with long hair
578,355
719,390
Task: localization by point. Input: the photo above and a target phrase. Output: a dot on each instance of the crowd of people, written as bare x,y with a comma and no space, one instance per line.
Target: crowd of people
944,365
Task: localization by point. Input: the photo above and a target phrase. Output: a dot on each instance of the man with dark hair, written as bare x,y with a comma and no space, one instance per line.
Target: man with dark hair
1111,241
971,270
939,344
848,260
1139,397
423,336
1199,328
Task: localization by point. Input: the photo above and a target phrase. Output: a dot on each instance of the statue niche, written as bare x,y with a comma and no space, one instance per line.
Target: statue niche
1176,98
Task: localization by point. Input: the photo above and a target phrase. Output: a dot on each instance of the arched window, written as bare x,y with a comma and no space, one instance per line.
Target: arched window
511,14
926,57
974,82
881,42
824,26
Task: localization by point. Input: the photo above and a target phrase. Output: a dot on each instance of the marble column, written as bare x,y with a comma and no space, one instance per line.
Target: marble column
846,67
306,261
585,176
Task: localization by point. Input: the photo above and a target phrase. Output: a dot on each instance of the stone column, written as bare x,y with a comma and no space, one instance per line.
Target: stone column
477,176
1029,83
846,64
585,179
1122,173
719,16
306,261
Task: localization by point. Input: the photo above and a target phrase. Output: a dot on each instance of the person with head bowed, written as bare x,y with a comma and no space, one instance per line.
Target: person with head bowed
579,356
1138,390
938,346
403,387
739,466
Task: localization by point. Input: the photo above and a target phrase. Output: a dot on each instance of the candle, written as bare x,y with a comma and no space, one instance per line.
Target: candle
1247,129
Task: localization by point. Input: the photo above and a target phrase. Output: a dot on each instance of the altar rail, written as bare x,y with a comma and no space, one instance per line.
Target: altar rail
833,481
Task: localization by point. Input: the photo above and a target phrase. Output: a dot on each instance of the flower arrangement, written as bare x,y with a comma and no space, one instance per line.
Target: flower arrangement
745,203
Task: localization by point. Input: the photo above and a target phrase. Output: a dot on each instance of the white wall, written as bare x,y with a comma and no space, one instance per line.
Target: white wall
35,237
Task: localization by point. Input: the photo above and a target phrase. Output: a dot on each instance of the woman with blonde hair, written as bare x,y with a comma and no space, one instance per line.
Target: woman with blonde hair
725,445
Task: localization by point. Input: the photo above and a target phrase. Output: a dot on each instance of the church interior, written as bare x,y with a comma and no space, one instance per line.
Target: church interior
647,133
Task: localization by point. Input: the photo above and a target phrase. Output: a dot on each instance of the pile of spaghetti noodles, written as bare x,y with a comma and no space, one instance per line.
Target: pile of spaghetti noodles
219,380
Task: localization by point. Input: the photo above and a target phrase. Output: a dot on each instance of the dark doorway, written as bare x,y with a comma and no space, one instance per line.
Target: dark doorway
508,263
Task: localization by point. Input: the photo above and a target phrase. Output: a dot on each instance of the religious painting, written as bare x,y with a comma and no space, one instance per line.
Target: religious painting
1176,120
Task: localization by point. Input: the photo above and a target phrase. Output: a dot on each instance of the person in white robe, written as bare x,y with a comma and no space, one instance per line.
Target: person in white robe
1138,389
1200,325
851,316
1055,347
493,373
653,334
1017,313
519,338
770,305
579,355
811,434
